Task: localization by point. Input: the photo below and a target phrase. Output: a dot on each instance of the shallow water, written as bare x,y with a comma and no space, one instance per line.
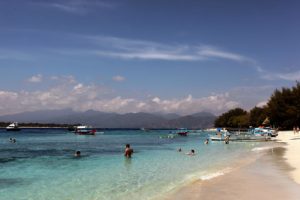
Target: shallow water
41,165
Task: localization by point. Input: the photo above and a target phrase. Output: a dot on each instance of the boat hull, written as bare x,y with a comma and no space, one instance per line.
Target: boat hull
242,138
85,132
13,129
183,133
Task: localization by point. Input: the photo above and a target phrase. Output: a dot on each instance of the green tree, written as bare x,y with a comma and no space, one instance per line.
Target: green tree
257,116
233,118
283,107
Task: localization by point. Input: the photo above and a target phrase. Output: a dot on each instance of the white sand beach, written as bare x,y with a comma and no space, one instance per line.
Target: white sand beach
274,175
292,154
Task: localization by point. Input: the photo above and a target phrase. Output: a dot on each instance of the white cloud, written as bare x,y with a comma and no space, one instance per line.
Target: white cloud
291,76
69,93
84,97
156,100
78,87
81,97
118,78
36,79
262,104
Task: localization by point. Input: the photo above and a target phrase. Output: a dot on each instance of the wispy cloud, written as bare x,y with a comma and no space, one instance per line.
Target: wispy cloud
123,48
76,6
36,79
208,52
149,55
290,76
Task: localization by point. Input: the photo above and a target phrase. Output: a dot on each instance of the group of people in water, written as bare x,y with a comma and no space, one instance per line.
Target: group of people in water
192,152
12,140
129,151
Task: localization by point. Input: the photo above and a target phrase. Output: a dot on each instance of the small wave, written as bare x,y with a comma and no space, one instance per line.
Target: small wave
214,175
256,149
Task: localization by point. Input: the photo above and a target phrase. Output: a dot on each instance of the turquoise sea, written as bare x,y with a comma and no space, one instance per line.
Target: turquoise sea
41,165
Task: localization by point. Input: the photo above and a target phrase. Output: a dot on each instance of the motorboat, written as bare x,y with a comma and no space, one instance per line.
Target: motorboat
183,133
13,127
242,137
85,130
257,134
265,131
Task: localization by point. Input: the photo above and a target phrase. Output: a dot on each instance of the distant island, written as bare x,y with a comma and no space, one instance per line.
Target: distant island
68,117
39,125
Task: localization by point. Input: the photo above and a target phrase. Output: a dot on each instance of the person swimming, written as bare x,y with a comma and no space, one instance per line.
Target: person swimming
191,153
77,154
128,151
12,140
179,150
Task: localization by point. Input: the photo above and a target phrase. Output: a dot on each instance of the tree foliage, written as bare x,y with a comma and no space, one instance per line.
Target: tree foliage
283,110
233,118
257,116
283,107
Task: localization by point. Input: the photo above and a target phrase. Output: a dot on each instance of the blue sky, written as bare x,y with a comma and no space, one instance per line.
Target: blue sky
152,56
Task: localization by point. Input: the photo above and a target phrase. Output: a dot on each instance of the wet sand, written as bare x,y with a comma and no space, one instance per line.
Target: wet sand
270,176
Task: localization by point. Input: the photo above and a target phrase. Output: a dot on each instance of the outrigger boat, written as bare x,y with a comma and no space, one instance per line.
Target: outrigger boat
256,134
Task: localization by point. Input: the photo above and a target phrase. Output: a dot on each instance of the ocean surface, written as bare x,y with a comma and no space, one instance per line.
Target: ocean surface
41,164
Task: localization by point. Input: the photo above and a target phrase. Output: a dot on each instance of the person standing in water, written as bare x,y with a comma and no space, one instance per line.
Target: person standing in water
226,140
206,141
128,151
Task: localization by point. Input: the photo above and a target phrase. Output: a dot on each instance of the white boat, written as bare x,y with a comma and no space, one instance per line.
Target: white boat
85,130
13,127
246,137
265,131
257,134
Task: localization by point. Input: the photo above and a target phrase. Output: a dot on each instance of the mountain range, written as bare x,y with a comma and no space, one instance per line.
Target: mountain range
114,120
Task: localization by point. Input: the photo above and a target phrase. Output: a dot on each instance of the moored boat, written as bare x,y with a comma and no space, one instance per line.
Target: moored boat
84,130
13,127
265,131
257,134
183,133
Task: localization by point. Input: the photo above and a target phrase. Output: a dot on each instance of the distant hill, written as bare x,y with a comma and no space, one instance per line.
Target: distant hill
114,120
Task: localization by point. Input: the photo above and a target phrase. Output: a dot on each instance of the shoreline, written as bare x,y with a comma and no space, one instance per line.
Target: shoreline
275,167
292,155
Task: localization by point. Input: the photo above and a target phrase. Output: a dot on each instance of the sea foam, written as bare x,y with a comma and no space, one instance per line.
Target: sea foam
258,149
215,174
